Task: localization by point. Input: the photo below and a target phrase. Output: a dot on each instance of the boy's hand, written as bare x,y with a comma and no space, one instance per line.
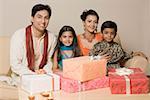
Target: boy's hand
106,56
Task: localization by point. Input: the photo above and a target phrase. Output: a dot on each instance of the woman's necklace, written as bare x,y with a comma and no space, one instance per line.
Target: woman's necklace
89,36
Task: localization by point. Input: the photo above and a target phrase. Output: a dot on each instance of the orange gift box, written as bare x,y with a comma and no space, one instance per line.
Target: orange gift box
83,68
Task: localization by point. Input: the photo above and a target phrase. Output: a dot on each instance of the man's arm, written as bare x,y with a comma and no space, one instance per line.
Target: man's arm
17,54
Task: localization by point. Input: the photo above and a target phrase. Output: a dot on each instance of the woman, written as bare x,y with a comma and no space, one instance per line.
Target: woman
90,36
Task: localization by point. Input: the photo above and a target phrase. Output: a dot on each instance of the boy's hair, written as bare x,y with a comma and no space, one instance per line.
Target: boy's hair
39,7
85,13
109,24
76,49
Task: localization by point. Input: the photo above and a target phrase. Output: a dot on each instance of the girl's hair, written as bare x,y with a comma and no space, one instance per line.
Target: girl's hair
85,13
109,24
76,49
39,7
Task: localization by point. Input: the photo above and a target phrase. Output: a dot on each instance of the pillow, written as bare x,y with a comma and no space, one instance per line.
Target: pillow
4,55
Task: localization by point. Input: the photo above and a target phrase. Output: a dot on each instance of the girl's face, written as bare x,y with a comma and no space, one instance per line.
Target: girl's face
90,23
109,34
67,38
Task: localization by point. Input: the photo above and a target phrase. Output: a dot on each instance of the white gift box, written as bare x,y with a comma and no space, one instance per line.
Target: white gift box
40,83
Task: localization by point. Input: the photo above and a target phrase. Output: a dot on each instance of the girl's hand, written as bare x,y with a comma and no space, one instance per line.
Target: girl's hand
40,71
56,70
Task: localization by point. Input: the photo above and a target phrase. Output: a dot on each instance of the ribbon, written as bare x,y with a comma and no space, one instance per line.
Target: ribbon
124,71
81,86
128,90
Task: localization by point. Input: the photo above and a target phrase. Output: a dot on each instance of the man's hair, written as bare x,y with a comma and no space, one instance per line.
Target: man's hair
39,7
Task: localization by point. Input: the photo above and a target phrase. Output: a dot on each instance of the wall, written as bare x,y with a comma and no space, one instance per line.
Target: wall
146,28
132,17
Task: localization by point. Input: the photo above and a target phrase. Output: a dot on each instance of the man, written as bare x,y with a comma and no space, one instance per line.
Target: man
32,47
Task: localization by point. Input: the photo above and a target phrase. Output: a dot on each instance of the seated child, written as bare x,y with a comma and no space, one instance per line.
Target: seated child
108,46
67,47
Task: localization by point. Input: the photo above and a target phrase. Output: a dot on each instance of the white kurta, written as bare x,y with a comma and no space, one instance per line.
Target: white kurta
18,59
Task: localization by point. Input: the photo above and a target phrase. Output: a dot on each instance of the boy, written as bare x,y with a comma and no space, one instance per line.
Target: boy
108,46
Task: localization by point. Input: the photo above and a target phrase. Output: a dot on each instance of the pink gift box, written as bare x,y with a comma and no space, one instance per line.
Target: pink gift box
70,85
136,83
84,69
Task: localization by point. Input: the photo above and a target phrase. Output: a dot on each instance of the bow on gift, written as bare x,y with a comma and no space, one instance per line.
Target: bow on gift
124,71
95,57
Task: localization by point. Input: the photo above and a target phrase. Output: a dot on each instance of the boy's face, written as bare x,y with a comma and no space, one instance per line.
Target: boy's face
109,34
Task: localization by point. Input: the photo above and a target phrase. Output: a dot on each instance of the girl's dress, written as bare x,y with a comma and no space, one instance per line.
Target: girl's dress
65,53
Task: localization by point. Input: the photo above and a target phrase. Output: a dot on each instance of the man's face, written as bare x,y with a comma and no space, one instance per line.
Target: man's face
40,20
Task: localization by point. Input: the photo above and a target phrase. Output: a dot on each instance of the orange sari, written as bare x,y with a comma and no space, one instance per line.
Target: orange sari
86,46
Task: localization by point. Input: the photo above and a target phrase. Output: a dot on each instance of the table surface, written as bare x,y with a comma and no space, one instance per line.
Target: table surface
97,94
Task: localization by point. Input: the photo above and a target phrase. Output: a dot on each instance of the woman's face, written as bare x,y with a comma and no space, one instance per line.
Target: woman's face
90,23
109,34
67,38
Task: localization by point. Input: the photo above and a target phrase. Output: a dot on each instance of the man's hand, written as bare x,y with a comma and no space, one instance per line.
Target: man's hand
40,71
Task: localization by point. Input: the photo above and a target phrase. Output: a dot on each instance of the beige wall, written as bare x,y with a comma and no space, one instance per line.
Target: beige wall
146,28
132,17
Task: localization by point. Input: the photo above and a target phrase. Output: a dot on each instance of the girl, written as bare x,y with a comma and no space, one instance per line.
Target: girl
67,46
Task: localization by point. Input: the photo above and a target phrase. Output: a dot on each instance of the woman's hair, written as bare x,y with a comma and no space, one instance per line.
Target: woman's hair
85,13
76,49
39,7
109,24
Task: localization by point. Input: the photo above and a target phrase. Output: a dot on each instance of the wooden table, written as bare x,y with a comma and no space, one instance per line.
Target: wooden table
97,94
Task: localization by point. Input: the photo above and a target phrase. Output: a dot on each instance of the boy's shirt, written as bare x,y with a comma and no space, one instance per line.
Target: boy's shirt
113,49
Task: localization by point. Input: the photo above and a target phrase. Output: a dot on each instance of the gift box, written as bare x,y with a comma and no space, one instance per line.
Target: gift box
40,83
134,83
83,68
36,83
71,86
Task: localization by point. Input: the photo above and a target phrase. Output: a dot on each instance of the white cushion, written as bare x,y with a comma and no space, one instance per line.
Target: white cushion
4,54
